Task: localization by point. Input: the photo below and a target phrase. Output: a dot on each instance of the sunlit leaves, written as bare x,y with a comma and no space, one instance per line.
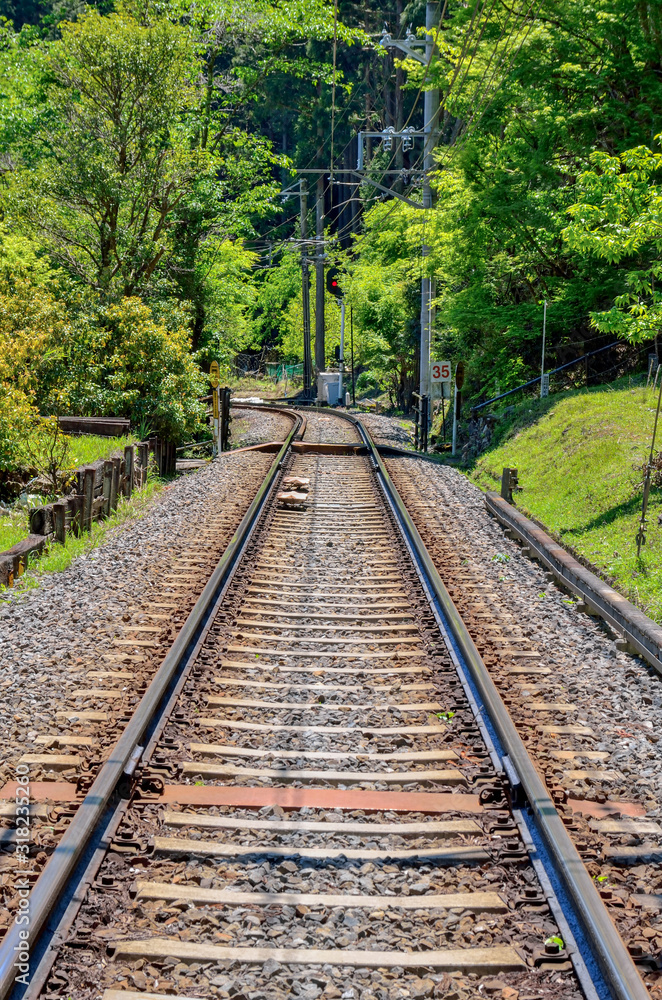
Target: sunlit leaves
618,218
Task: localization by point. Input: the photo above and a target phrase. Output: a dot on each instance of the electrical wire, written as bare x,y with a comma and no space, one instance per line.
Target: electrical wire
333,86
478,114
514,56
476,19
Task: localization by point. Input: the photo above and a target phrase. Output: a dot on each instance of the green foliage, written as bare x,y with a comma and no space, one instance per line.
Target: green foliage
618,218
14,528
114,157
223,273
380,294
59,557
47,450
81,355
148,372
143,150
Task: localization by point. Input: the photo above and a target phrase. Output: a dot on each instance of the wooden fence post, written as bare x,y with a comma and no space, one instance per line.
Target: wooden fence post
107,485
145,460
129,456
60,521
75,504
114,484
88,496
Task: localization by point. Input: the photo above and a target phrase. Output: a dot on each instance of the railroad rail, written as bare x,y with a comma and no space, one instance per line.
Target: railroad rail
321,791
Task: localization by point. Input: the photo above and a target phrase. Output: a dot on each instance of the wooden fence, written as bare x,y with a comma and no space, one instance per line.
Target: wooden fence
98,489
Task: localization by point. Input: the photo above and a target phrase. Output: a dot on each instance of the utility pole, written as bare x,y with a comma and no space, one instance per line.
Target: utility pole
431,119
341,357
320,284
305,290
351,334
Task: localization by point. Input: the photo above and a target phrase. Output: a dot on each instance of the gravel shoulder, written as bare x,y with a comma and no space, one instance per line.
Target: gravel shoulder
589,714
616,694
389,430
100,614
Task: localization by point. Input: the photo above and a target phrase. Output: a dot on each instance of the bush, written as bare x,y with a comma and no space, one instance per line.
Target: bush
366,382
149,374
65,351
30,319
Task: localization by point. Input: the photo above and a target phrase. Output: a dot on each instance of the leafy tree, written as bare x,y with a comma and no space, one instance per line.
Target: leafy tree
618,219
30,320
115,159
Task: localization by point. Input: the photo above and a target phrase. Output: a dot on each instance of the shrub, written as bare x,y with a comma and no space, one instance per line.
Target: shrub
149,374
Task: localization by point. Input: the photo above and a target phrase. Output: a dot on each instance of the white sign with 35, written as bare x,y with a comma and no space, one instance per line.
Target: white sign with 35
440,371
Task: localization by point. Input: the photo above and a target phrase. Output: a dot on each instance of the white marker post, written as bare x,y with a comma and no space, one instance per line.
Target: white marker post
440,375
544,385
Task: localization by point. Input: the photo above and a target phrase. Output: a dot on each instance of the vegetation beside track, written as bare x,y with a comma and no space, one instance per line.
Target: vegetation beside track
580,462
58,557
82,450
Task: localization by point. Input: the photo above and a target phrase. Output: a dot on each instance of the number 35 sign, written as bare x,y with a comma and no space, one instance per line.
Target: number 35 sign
440,371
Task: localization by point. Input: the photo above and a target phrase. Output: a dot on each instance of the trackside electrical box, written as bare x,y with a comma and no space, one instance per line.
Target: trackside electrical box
327,388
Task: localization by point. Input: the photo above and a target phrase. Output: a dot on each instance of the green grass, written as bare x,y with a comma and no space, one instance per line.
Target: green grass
84,450
13,529
579,460
58,557
88,448
265,388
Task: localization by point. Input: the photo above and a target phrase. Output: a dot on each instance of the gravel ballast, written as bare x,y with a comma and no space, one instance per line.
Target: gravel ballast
52,636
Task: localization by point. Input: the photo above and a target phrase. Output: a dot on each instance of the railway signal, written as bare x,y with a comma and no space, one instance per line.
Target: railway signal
333,282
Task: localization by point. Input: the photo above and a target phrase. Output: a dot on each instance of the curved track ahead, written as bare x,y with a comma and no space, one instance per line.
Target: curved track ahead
315,807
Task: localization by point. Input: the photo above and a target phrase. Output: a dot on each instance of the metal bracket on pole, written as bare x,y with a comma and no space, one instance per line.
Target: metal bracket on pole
387,135
411,45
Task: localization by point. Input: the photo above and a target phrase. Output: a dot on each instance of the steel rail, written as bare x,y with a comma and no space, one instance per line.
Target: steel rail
615,962
58,871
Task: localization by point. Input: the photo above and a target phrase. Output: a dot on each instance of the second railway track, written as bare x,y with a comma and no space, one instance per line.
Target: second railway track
317,809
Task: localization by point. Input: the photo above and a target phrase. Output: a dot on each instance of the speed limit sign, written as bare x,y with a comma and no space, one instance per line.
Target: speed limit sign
440,371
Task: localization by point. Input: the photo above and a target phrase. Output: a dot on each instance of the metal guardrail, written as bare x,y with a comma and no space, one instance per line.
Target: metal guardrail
640,632
552,371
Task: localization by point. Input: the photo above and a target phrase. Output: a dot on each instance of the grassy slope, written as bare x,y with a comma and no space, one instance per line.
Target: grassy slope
575,458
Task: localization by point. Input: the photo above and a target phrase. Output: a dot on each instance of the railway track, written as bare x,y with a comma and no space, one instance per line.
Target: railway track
603,809
308,800
117,644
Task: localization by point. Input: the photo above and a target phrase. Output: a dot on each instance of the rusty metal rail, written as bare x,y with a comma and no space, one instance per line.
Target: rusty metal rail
614,960
52,883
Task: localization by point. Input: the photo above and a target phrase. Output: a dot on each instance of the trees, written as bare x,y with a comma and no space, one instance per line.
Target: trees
619,219
115,160
145,149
